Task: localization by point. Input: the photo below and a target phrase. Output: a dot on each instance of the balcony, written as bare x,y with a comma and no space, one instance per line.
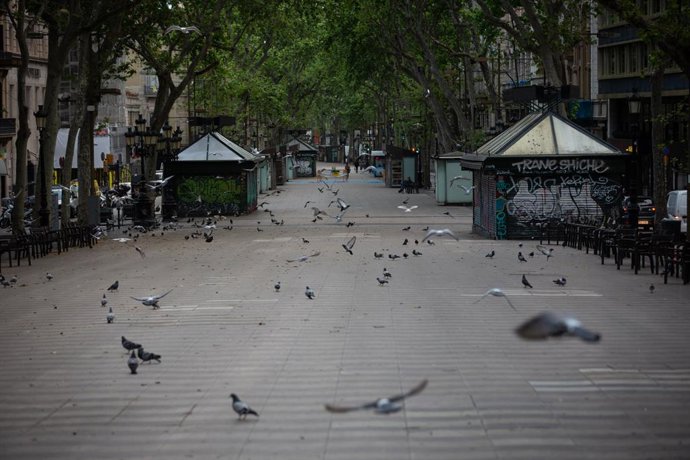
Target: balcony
8,59
8,127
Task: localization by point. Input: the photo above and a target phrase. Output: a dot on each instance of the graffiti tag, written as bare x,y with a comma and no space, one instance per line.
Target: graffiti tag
561,166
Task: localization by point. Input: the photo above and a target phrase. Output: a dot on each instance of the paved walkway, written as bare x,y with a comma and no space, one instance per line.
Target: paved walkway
67,392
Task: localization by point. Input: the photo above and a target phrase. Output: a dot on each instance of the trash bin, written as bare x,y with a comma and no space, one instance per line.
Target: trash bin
670,227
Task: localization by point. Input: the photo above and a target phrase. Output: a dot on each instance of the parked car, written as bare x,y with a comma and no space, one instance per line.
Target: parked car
677,208
646,212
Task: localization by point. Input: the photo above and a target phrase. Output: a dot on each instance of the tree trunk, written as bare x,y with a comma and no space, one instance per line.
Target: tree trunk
66,173
658,167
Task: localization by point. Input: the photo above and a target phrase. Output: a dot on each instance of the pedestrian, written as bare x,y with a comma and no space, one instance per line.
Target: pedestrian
347,171
357,165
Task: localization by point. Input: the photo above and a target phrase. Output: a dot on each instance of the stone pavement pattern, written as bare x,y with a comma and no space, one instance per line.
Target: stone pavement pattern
67,392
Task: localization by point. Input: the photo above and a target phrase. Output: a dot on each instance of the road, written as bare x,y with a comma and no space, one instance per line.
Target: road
67,392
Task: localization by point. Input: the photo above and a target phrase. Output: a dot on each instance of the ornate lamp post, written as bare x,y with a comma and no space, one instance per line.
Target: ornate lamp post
44,213
170,146
142,140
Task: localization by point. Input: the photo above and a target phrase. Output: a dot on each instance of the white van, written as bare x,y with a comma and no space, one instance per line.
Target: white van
677,208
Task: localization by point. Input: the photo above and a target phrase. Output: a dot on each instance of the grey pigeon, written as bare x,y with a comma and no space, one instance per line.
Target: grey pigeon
651,289
104,301
342,205
549,324
151,301
416,253
241,408
114,286
383,405
277,286
526,283
521,258
545,251
49,276
381,281
348,246
491,254
496,292
407,208
146,356
378,255
560,281
440,232
129,345
140,251
133,363
309,293
110,317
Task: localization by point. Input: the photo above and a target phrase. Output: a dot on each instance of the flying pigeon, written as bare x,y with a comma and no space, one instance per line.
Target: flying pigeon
342,205
549,324
151,301
348,246
307,202
304,258
457,178
114,286
146,356
546,252
104,301
129,345
184,30
496,292
110,317
408,208
277,286
160,184
560,281
526,283
241,408
491,254
383,405
381,281
406,200
140,251
440,232
309,292
133,363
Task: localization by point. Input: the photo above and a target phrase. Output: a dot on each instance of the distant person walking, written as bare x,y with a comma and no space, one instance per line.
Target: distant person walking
347,171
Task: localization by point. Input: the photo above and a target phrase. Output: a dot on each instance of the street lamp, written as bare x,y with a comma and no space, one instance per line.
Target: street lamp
169,143
634,105
142,140
44,213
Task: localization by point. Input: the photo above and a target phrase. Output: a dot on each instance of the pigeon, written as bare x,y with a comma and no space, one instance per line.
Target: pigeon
457,178
110,317
651,289
467,189
114,286
309,292
383,405
521,258
416,253
160,184
277,286
405,242
140,251
407,208
209,238
406,228
405,255
560,281
49,276
406,200
146,356
381,281
348,246
259,229
526,283
104,301
307,202
318,212
133,363
447,213
241,408
546,252
184,30
386,273
377,255
531,254
305,241
491,254
304,258
350,224
440,232
13,279
430,242
549,324
496,292
129,345
342,204
151,301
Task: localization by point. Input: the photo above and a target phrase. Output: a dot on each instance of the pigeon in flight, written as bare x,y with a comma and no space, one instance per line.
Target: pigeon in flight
309,292
407,208
560,281
241,408
121,240
521,258
151,301
545,251
140,251
110,317
114,286
104,301
549,324
147,357
348,246
467,189
496,292
491,254
133,363
129,345
277,286
160,184
342,204
307,202
383,405
304,258
439,232
406,200
457,178
526,283
318,212
184,30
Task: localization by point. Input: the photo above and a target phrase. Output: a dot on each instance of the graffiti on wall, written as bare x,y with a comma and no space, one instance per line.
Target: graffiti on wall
207,195
305,166
530,200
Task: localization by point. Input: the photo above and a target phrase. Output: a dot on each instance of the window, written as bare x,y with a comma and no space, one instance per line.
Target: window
633,58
